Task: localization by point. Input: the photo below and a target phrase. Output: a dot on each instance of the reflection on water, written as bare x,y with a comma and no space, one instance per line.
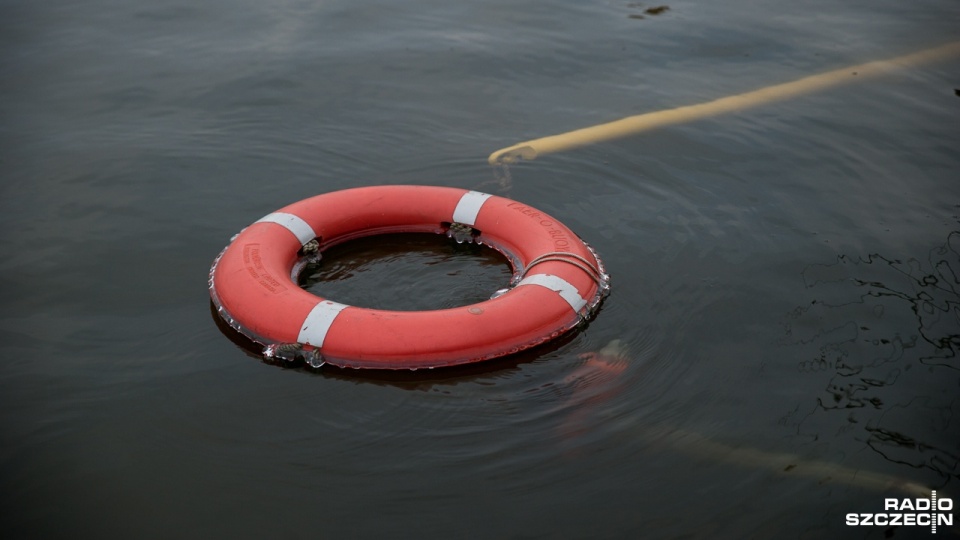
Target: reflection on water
593,383
407,272
890,368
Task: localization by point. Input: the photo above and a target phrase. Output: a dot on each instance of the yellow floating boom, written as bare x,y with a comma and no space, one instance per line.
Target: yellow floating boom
630,125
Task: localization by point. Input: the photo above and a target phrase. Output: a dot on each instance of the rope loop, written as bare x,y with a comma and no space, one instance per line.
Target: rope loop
569,258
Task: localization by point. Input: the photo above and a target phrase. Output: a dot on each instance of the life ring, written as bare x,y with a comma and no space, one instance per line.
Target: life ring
558,280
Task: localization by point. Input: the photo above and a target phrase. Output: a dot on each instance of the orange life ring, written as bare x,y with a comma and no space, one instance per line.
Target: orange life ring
558,280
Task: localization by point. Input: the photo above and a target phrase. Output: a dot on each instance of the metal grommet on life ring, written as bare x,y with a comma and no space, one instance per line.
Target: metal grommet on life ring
558,280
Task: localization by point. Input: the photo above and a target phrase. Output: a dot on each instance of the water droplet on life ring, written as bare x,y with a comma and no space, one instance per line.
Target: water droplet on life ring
475,310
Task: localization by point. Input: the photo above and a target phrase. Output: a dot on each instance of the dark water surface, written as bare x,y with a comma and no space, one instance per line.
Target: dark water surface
786,279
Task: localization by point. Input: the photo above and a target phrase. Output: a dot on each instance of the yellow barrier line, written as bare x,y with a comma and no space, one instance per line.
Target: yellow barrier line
630,125
789,464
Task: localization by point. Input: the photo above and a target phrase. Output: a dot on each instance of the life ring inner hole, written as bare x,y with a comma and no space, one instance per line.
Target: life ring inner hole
407,272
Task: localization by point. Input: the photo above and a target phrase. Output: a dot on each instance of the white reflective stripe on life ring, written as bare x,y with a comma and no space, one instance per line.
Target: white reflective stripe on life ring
469,206
567,291
300,228
318,321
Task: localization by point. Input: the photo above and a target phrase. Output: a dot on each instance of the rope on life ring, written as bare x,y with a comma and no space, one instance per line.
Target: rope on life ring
559,281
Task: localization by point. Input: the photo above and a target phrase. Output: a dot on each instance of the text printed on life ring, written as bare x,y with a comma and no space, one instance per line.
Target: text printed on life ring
559,237
254,265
